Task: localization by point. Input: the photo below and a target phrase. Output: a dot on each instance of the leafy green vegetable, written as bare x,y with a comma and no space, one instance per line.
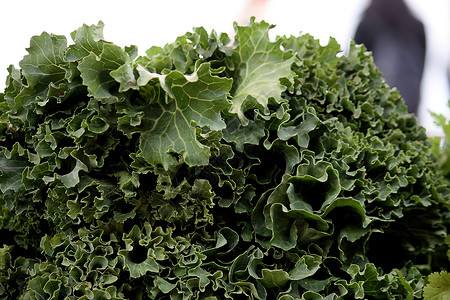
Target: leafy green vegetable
438,287
212,169
441,145
259,65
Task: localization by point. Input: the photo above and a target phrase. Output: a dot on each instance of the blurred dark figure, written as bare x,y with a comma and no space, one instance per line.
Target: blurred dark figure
397,41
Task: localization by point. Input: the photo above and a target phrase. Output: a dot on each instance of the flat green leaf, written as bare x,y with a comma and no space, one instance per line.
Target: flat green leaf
259,66
45,71
57,240
122,217
164,285
125,76
438,287
72,178
95,70
44,63
88,39
198,100
274,278
53,287
315,285
36,286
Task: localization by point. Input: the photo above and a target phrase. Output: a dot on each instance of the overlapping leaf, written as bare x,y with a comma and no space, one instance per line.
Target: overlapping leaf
194,100
206,169
259,64
438,286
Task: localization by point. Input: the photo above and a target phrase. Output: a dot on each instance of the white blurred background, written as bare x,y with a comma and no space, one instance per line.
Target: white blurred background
148,23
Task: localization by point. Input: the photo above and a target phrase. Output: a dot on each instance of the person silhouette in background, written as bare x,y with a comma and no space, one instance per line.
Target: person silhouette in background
397,41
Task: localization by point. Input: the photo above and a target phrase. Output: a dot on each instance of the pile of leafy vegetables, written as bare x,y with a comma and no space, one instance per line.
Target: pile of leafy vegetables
438,283
213,169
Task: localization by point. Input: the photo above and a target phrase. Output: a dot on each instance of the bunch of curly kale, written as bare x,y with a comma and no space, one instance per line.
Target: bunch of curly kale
211,169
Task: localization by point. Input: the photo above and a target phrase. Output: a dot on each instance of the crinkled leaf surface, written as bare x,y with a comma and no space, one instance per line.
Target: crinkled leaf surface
210,169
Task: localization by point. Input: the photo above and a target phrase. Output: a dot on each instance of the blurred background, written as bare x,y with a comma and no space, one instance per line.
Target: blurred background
410,39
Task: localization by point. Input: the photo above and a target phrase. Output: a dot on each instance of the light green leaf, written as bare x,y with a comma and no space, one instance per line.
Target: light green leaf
88,39
274,278
315,285
140,269
122,217
164,285
72,178
57,240
260,64
438,287
198,100
44,69
306,266
95,70
202,275
98,262
43,64
125,76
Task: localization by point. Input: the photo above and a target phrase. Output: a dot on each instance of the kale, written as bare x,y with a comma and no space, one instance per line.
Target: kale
214,167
